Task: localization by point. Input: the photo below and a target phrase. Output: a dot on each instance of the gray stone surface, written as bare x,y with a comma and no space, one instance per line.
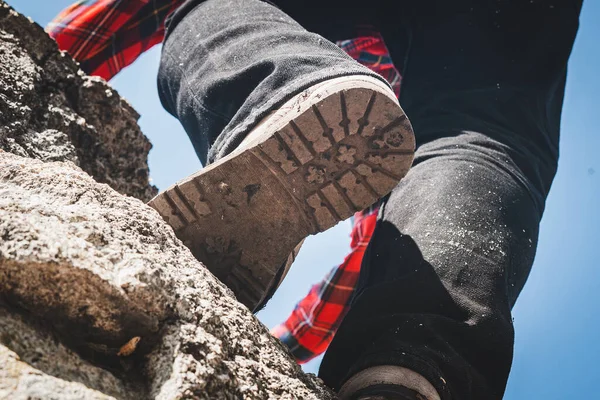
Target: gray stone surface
34,364
84,269
102,268
50,110
19,381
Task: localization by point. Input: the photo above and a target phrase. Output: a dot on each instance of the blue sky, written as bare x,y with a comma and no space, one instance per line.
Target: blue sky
556,318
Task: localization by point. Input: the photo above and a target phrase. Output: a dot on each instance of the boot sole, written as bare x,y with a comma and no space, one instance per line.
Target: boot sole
339,147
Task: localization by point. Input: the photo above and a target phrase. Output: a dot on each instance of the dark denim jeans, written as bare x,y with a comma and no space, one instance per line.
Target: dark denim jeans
483,84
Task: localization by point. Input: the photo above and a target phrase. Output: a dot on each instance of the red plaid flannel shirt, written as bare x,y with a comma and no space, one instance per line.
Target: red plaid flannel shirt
310,327
105,36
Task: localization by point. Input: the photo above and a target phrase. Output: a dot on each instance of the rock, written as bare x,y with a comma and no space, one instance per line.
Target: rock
19,381
98,298
102,268
50,110
36,365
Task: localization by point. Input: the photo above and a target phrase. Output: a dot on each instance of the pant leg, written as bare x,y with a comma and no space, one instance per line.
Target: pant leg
483,87
452,247
227,63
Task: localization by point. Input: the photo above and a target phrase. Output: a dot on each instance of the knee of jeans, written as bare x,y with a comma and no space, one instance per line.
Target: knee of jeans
514,160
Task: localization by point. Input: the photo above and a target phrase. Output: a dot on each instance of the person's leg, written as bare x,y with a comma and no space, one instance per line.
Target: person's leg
226,64
457,237
452,248
336,142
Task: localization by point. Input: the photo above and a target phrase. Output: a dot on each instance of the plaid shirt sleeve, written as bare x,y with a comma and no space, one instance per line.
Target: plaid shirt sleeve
105,36
312,324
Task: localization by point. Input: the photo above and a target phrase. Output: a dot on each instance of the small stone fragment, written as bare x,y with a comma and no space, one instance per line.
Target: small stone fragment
129,347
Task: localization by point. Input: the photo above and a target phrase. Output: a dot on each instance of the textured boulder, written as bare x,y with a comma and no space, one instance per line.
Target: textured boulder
50,110
36,365
101,269
98,298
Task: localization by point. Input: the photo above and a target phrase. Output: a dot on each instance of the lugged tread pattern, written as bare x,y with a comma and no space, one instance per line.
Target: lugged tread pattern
338,156
246,285
356,182
182,204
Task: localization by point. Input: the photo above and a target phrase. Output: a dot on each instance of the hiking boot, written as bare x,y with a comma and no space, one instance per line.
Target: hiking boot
388,382
330,151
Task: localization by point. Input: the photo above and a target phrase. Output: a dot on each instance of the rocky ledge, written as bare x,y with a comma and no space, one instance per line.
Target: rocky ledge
98,298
